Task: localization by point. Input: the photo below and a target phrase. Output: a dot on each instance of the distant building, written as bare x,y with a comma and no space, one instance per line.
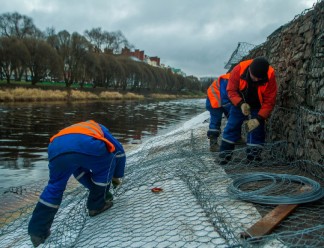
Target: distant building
137,53
155,61
140,55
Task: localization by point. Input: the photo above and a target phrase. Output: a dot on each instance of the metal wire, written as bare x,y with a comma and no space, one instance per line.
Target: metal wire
309,190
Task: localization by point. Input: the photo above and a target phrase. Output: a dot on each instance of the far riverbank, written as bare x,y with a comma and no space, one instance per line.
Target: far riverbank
17,93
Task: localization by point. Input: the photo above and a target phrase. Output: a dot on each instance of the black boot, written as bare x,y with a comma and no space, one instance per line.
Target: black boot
99,199
109,196
108,204
225,154
37,240
213,137
40,223
213,145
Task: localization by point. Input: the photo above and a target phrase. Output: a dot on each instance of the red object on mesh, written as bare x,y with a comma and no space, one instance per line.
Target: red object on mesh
156,190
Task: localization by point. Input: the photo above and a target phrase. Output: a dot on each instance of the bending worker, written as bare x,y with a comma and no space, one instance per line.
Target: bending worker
252,89
95,158
217,103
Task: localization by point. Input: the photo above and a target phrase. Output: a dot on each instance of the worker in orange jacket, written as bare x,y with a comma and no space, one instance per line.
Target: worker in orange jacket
217,103
252,89
88,151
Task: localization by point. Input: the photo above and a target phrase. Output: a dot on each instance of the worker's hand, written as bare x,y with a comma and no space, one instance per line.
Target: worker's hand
251,124
116,182
246,110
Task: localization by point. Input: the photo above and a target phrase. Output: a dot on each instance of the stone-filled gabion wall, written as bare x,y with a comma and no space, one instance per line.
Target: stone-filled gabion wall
296,51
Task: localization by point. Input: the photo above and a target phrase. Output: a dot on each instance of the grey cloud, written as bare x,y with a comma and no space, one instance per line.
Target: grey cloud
193,35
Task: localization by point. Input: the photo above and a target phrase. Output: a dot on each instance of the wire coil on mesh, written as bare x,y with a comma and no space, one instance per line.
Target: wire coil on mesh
275,189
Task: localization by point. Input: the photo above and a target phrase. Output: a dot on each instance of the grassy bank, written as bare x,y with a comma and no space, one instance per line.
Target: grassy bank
35,94
21,94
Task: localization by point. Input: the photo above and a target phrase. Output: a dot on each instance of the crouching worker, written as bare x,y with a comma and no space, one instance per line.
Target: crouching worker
217,103
252,89
94,157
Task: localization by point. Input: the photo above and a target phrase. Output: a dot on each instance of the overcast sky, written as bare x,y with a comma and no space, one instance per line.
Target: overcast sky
196,36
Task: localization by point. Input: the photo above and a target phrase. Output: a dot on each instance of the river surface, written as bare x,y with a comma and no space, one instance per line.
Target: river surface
25,129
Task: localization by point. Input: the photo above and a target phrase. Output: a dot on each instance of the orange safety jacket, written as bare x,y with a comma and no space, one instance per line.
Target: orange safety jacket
213,92
266,92
90,128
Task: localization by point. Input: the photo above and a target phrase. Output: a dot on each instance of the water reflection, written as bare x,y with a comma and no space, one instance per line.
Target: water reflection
25,128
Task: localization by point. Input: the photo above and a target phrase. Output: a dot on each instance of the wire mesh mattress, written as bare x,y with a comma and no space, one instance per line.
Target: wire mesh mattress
194,207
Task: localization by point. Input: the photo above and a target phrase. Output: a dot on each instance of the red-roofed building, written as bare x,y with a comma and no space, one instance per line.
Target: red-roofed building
137,53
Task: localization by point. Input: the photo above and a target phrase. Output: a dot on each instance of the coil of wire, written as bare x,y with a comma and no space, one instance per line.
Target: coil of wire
275,189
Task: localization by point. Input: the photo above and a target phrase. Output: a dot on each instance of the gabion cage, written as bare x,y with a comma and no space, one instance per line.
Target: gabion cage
195,207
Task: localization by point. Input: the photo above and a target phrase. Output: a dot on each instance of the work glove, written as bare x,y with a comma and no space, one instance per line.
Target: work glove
246,110
251,124
116,182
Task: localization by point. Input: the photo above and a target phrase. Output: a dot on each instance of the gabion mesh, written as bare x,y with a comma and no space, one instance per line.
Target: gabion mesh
194,208
242,50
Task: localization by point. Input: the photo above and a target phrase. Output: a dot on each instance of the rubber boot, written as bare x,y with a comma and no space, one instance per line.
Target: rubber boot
40,223
225,154
109,196
213,145
97,200
108,204
213,137
36,240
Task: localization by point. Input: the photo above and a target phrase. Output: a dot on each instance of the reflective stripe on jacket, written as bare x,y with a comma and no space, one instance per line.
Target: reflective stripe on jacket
90,128
266,92
213,92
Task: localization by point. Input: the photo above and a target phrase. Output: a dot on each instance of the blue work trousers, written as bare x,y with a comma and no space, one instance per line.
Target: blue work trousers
216,115
233,128
94,172
87,169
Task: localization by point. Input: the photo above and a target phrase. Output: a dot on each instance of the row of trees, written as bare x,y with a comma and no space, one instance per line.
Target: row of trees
94,58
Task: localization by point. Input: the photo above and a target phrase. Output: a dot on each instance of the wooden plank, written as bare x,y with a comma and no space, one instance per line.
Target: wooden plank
272,219
269,221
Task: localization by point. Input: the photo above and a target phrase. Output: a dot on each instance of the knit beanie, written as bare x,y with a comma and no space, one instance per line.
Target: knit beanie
259,67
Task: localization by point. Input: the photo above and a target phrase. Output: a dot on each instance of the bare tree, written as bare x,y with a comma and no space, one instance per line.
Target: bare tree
148,78
78,50
17,25
96,38
89,68
108,42
116,74
13,55
43,59
114,41
62,43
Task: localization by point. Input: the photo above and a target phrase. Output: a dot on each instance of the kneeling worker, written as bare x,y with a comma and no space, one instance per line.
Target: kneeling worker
252,89
217,103
88,151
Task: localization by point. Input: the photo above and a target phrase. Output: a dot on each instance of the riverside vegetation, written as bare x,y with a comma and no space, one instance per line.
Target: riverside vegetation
47,65
26,94
96,59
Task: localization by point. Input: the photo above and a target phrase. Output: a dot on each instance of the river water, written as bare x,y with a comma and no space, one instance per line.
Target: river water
25,129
